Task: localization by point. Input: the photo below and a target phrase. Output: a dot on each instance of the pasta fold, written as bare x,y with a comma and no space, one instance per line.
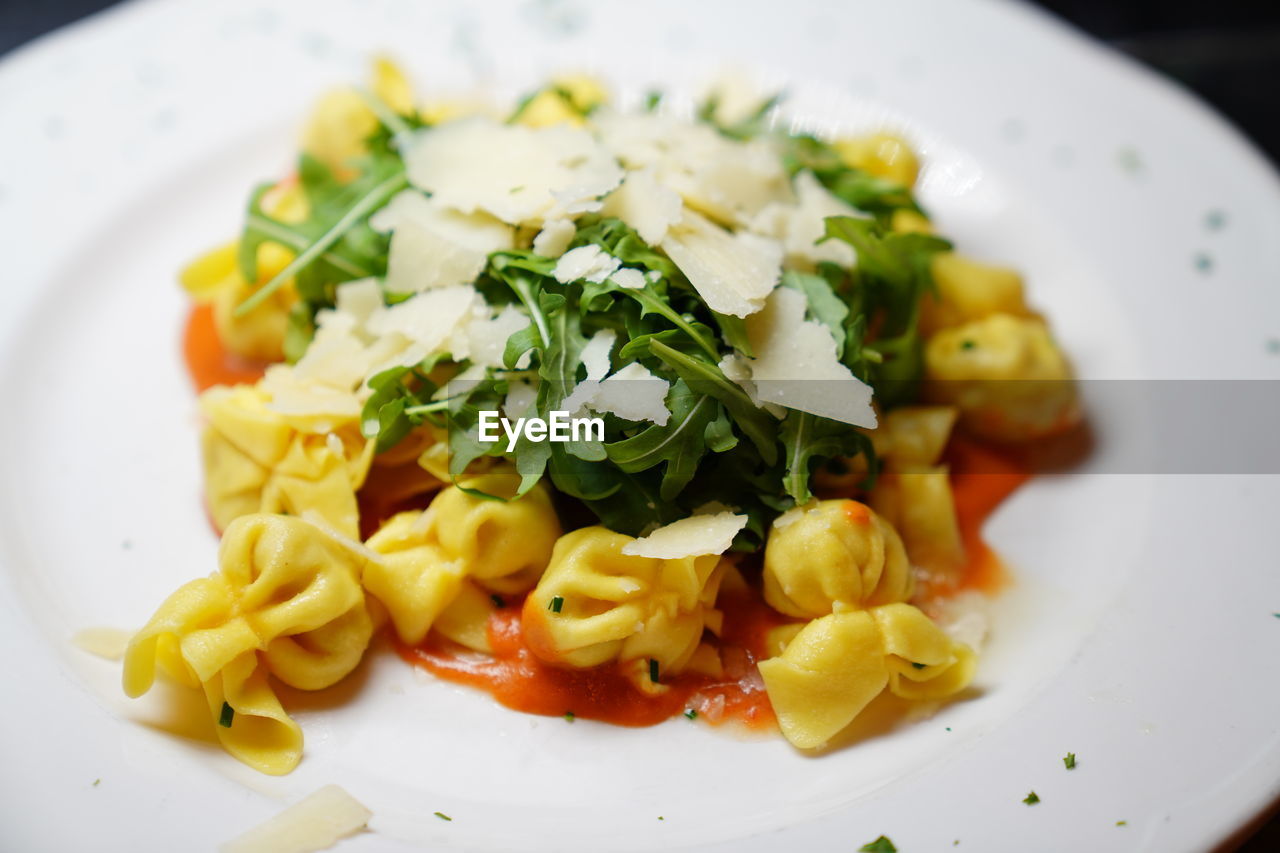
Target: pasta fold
285,601
595,604
832,669
258,460
834,551
501,545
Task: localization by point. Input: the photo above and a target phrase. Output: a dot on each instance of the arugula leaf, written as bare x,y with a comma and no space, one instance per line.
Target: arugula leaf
807,439
824,305
757,424
680,443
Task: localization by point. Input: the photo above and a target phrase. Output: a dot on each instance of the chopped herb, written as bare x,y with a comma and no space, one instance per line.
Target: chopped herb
1070,760
569,716
1214,220
515,190
1203,262
497,600
919,665
228,714
880,845
660,817
97,782
443,816
556,603
968,344
1031,799
1277,615
948,728
653,670
691,714
1122,823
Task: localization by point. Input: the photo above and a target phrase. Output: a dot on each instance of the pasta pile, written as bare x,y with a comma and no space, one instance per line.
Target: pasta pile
667,274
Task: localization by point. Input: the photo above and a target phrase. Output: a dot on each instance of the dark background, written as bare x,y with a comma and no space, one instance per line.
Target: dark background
1227,51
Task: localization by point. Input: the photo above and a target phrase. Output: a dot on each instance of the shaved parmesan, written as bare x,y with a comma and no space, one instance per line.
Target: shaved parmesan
629,278
801,225
420,259
314,823
483,339
521,395
428,318
595,357
518,174
478,231
107,643
733,273
585,262
359,299
645,205
635,394
554,238
689,537
796,364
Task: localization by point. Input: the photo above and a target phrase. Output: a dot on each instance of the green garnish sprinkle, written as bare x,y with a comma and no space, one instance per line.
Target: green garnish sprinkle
919,665
1069,760
880,845
691,714
228,714
556,603
653,670
968,344
97,782
569,716
443,816
497,601
1122,823
1031,799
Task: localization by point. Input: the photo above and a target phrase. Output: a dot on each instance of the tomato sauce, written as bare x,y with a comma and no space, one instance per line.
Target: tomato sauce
209,363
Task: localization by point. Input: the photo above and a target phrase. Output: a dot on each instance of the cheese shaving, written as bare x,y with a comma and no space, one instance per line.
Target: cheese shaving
315,823
733,273
589,263
689,537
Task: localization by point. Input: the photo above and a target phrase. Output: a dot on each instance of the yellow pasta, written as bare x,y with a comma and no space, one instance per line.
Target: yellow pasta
257,460
1005,374
834,551
919,504
595,604
502,545
215,277
286,601
883,155
833,667
914,435
969,290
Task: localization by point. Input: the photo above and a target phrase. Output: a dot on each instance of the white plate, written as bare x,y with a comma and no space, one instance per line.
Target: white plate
1140,634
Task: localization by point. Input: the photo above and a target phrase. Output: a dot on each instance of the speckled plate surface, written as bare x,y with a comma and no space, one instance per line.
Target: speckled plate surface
1140,634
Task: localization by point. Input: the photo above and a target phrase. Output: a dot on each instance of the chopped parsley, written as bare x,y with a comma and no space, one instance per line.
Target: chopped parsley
691,714
653,670
497,601
660,817
880,845
1031,799
569,716
228,714
968,344
443,816
97,782
1070,760
1122,823
919,665
556,603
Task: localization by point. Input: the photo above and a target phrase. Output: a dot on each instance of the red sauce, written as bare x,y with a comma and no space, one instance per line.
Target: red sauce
209,363
518,679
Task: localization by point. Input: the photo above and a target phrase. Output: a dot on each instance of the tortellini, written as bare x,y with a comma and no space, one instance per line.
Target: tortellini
501,545
595,604
920,506
883,155
257,460
832,669
1006,375
286,601
834,551
969,290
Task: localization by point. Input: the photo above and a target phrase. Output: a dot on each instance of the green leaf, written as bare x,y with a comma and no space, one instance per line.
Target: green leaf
824,306
680,442
880,845
757,424
808,439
